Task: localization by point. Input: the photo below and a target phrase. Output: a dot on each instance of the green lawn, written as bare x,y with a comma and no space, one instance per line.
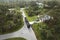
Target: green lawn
30,18
44,11
36,27
17,38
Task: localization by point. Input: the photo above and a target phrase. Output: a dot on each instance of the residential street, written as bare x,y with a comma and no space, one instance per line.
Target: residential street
23,32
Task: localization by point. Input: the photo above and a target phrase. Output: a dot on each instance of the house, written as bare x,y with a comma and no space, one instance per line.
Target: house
41,5
45,17
12,9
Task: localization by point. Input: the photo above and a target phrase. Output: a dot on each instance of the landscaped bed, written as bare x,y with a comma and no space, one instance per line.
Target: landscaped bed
17,38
